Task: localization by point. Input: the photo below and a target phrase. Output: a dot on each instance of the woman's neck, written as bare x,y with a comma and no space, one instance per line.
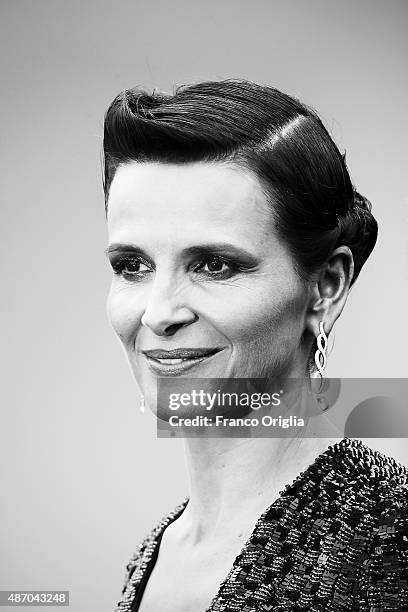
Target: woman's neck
234,480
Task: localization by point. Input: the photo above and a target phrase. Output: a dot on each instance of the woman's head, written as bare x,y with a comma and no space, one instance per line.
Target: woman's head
284,142
237,163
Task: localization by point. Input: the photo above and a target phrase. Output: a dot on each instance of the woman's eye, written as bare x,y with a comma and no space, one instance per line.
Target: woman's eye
214,267
131,268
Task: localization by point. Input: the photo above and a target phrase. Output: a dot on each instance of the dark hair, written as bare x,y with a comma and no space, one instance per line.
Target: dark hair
313,201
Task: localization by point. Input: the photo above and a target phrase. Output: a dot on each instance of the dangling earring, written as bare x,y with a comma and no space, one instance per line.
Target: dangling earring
142,404
320,354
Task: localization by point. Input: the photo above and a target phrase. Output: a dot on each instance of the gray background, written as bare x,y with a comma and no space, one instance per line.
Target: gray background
82,473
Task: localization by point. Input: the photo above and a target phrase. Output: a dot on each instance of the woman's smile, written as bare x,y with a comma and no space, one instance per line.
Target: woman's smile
178,361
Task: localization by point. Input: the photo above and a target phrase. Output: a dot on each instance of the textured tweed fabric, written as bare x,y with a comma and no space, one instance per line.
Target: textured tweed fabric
335,539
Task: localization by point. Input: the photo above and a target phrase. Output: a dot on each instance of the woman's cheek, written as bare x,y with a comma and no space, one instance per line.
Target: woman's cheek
124,312
266,315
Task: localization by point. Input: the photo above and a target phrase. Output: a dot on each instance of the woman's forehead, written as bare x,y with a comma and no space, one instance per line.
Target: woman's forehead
203,197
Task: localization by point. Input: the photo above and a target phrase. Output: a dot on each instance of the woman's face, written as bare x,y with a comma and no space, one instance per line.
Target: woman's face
200,271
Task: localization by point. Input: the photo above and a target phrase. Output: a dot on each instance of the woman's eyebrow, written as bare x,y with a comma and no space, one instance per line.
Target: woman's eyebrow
119,247
221,248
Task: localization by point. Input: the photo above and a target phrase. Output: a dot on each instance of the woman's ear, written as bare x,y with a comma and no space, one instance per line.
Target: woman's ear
330,291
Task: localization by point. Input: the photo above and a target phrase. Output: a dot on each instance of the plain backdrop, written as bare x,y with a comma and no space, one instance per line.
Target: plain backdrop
83,475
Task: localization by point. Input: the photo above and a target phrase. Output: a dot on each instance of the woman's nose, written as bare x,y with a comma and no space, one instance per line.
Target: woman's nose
165,311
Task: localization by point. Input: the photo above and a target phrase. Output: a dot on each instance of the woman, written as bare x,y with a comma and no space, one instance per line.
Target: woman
235,235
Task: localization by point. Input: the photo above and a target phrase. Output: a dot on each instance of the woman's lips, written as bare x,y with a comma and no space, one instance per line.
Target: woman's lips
177,361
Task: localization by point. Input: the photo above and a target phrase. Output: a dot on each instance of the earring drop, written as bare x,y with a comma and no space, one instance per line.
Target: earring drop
320,354
142,405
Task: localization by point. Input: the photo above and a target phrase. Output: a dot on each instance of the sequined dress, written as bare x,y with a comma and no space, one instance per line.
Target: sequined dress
335,539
